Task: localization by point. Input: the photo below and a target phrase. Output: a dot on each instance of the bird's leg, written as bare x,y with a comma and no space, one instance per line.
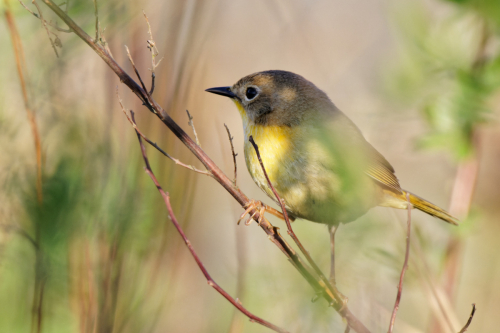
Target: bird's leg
332,280
333,229
261,208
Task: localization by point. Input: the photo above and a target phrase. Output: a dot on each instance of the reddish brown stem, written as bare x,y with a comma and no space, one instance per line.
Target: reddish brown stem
233,153
405,266
21,68
311,277
210,281
338,297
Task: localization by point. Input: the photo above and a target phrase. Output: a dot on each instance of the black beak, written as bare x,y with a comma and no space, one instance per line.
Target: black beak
224,91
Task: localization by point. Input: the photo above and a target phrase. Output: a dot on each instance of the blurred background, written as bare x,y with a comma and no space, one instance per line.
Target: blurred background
85,240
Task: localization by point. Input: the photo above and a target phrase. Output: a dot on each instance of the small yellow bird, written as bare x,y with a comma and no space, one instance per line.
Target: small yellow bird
316,158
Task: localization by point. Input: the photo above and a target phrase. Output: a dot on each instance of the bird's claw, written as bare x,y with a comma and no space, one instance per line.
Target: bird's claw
258,206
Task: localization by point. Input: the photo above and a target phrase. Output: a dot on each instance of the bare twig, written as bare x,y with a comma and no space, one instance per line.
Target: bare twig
333,230
210,281
152,46
97,25
190,123
405,266
234,154
21,71
176,161
154,53
272,232
153,76
147,96
464,329
48,23
341,301
44,23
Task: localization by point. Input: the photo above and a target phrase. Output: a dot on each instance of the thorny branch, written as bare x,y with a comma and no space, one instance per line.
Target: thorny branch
405,266
234,154
210,281
311,276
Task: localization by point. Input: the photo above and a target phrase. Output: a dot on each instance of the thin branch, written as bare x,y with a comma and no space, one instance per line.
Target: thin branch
234,154
147,96
210,281
190,123
48,23
152,46
464,329
341,300
153,77
44,23
97,25
21,71
405,266
154,53
272,232
176,161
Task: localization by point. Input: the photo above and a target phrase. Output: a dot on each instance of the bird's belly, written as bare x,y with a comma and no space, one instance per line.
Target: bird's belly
305,177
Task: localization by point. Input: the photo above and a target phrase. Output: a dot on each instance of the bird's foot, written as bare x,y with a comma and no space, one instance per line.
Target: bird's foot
256,205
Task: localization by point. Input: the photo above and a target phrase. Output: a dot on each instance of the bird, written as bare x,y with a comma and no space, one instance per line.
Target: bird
316,158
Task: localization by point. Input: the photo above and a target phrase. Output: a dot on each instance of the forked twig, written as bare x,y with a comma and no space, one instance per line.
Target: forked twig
55,43
210,281
464,329
154,53
272,232
339,298
405,266
176,161
234,154
148,96
39,17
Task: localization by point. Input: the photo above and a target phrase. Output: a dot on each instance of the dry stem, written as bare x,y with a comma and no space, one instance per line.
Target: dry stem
21,71
176,161
311,276
234,154
341,301
210,281
405,266
464,329
190,123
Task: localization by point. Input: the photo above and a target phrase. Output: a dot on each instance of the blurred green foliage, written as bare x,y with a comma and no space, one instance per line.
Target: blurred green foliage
99,245
449,69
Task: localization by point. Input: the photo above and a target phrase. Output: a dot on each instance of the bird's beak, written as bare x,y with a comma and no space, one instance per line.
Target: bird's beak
224,91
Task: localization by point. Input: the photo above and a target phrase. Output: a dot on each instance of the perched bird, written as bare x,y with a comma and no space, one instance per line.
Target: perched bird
315,157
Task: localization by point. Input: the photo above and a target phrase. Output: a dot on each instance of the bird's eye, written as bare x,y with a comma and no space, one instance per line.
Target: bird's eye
251,93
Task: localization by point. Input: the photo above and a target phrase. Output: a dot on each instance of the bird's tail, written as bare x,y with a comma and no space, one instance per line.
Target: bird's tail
431,209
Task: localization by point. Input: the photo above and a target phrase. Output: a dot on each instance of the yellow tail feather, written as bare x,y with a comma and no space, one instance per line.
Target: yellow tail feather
431,209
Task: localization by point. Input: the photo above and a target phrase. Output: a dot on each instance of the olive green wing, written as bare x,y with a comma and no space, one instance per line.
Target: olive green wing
381,170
